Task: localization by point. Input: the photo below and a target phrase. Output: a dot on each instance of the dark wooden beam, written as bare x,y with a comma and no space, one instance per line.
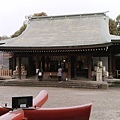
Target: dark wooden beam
19,67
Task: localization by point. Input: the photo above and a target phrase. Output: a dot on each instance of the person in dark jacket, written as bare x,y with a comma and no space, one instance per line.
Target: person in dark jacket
40,74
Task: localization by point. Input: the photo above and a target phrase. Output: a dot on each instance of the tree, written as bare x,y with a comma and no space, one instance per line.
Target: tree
112,27
19,32
118,24
4,37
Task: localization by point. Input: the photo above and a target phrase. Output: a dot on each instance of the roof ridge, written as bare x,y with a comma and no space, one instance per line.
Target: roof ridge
70,15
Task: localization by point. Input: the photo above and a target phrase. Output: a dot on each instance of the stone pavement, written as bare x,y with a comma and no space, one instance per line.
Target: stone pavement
106,102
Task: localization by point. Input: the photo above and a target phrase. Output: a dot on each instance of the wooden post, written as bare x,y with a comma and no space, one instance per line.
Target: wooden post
113,64
89,66
43,62
37,66
75,67
14,62
37,61
19,67
110,64
69,67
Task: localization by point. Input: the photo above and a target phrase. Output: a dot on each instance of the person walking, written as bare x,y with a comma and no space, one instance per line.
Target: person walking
59,74
40,74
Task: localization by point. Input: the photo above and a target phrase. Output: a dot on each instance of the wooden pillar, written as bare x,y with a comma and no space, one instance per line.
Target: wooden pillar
37,61
110,64
69,67
36,66
14,63
113,65
75,67
19,67
43,62
89,66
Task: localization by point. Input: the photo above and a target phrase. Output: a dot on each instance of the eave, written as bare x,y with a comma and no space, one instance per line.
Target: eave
98,47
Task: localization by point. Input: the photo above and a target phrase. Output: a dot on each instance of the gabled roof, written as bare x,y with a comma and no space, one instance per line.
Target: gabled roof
64,31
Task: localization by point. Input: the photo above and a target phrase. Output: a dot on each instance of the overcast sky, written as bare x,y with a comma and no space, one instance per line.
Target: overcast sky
13,12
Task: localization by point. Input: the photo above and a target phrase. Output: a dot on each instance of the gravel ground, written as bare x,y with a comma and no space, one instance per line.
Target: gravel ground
106,103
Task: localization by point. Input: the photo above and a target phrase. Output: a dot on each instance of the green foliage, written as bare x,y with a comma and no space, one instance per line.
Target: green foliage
118,18
118,24
4,37
112,27
19,32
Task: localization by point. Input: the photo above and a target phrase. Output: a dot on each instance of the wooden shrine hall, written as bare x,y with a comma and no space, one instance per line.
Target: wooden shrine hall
74,42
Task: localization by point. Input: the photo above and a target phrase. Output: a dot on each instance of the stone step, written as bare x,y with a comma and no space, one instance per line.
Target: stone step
113,82
64,84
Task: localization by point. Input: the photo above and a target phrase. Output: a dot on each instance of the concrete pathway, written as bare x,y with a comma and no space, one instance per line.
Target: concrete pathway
106,103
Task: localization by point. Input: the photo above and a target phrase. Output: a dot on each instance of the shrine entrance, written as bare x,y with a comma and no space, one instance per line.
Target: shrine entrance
82,66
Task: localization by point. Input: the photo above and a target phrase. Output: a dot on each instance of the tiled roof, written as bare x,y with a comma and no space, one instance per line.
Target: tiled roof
67,30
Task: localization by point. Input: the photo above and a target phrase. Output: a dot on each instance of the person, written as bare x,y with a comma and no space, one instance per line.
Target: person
40,74
59,74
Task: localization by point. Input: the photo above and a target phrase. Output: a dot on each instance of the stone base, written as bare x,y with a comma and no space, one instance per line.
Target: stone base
22,76
104,86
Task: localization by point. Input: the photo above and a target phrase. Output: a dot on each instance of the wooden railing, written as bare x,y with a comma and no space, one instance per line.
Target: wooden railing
4,72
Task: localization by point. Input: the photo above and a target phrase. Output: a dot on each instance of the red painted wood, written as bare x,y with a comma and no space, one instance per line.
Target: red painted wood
81,112
13,115
4,110
40,99
68,113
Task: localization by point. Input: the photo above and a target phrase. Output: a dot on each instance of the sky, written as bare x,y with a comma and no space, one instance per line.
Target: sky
13,12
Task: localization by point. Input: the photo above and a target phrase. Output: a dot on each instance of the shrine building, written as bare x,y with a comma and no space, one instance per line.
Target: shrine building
75,42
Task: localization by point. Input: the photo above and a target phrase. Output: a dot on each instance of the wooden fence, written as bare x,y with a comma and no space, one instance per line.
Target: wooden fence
4,72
